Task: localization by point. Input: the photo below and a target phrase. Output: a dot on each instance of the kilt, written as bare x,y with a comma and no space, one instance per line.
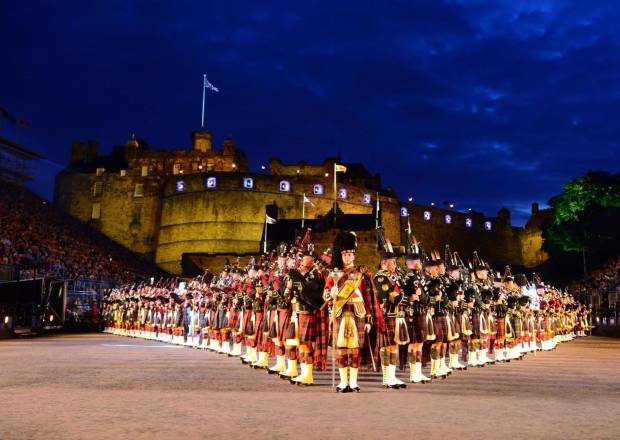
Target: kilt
213,319
500,326
284,320
307,327
258,322
457,323
441,328
359,323
475,325
222,319
454,327
418,328
233,318
392,334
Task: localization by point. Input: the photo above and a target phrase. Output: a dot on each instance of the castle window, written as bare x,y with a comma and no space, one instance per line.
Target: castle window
123,173
469,222
211,182
138,190
248,183
285,186
99,171
145,170
97,189
366,199
96,211
176,168
404,212
448,219
180,186
427,215
487,225
317,189
342,193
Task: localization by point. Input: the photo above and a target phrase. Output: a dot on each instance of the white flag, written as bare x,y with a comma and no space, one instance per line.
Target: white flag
210,86
307,200
340,168
269,220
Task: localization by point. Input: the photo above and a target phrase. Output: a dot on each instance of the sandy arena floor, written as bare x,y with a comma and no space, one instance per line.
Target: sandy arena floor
100,386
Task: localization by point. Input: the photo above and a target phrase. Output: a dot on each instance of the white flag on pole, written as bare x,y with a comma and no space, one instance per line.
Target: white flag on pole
210,86
340,168
307,200
269,220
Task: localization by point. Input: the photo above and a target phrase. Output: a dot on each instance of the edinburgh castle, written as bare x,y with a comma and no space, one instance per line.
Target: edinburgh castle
191,209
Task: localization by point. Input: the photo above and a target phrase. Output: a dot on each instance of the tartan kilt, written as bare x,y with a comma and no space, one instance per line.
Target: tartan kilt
284,321
475,326
418,328
457,324
393,335
307,327
258,324
213,319
441,328
500,325
233,319
361,334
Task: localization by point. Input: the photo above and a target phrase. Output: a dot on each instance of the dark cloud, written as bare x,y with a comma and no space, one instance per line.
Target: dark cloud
486,103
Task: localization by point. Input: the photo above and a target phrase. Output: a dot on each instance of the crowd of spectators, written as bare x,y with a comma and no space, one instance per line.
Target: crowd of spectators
602,280
38,239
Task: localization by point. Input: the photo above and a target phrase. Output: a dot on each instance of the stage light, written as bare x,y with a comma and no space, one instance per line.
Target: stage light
234,165
318,189
51,318
326,174
451,205
432,203
367,199
298,171
6,320
411,199
404,212
262,167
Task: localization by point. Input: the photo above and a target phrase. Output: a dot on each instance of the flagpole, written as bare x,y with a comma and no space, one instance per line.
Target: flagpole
377,213
204,88
335,194
265,243
303,210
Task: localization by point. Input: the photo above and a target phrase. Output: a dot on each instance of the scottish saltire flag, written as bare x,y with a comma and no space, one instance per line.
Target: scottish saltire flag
210,86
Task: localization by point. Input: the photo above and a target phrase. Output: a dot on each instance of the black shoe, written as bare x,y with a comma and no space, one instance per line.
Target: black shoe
346,389
356,389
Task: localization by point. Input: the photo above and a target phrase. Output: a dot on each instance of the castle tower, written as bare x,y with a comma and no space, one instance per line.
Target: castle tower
77,153
131,148
202,141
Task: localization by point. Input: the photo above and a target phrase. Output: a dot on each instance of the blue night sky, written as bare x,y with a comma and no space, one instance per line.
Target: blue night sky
484,103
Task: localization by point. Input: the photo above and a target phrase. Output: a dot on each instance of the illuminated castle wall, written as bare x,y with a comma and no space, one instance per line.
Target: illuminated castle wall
163,204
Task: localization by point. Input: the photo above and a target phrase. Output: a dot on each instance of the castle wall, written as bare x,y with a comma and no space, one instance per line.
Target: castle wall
164,223
230,218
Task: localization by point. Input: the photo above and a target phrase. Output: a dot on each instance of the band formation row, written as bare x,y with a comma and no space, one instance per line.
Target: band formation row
293,304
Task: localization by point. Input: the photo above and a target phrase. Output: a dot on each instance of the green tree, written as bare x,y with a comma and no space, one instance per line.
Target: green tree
586,216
